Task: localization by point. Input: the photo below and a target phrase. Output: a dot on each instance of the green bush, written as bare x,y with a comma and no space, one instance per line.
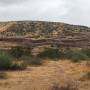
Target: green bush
86,51
5,61
50,53
19,51
76,55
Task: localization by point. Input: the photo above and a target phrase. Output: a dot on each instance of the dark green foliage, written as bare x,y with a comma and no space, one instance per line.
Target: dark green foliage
50,53
5,61
19,51
75,55
86,51
27,51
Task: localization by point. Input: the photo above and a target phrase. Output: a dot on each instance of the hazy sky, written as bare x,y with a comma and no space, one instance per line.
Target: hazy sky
69,11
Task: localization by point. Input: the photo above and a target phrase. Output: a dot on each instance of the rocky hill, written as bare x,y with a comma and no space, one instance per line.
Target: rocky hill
38,29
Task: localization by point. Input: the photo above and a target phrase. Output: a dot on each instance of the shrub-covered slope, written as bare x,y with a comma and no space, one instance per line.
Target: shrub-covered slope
37,28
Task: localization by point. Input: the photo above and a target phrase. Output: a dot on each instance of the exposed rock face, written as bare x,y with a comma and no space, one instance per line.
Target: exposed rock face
38,29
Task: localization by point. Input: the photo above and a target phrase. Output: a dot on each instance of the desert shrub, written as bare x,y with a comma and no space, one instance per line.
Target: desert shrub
27,51
19,66
50,53
76,55
17,51
3,75
5,61
36,61
86,51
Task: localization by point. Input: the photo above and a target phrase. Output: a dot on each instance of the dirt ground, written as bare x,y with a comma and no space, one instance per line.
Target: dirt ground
45,76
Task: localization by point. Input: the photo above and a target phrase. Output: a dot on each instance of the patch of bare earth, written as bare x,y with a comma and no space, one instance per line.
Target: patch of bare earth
43,77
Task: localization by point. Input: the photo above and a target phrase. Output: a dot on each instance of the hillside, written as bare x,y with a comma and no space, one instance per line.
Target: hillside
56,57
37,29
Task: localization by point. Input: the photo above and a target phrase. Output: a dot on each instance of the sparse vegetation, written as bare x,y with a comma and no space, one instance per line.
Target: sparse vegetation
76,56
20,51
3,75
87,75
50,53
67,87
88,64
27,51
5,61
35,61
44,29
17,51
19,66
86,52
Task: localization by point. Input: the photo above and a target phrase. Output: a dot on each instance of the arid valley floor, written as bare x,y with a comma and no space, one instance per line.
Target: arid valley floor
50,73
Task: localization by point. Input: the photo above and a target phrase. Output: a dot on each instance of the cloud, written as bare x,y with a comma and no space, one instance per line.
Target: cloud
79,12
70,11
9,2
34,9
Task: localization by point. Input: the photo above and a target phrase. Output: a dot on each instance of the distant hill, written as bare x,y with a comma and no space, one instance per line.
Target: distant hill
38,29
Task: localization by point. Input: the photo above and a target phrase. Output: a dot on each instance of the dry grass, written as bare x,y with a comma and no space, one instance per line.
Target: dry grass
43,77
64,87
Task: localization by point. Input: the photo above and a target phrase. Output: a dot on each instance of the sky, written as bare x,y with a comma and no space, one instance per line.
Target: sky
67,11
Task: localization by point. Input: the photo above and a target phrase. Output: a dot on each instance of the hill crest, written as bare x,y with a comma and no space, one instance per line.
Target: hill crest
38,28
